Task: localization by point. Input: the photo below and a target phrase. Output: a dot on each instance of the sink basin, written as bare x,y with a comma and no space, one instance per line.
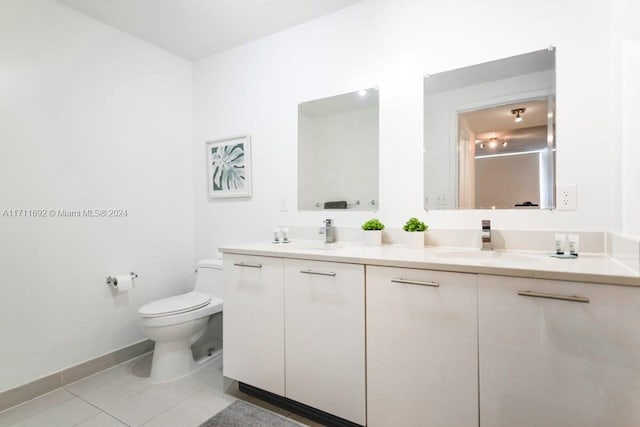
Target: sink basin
312,246
471,254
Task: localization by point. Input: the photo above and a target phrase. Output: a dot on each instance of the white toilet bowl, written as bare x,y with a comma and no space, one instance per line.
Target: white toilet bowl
175,323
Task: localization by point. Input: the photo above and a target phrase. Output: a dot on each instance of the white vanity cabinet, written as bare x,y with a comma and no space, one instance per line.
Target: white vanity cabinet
422,361
560,354
325,336
253,329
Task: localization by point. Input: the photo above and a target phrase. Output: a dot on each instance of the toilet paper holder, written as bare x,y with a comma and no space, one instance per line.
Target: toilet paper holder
113,281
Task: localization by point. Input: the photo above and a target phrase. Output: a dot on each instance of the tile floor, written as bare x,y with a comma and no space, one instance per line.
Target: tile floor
123,396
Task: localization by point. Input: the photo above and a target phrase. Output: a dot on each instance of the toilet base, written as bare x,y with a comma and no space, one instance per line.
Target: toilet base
171,360
174,360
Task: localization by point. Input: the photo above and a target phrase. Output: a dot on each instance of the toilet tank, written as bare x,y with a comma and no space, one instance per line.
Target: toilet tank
209,277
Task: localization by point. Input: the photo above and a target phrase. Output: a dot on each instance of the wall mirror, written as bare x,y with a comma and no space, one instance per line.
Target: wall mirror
489,134
338,152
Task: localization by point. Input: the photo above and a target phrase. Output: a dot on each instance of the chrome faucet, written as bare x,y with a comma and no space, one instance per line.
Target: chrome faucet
327,230
486,235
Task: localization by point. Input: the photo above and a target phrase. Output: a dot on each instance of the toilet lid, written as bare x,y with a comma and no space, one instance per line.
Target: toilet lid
175,305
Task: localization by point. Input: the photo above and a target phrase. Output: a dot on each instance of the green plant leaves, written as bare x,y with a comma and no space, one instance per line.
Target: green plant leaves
414,224
373,224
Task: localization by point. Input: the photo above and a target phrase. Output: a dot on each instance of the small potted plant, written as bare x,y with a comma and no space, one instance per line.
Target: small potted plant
373,232
414,236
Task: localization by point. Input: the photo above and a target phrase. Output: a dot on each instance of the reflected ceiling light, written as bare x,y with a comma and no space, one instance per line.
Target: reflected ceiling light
482,145
493,143
362,92
504,144
516,112
519,153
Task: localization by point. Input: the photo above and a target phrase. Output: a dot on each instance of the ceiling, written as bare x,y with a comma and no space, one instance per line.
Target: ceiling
194,29
365,98
498,123
500,119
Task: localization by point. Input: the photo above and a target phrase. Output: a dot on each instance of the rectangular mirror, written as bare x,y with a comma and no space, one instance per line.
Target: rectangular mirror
338,152
490,135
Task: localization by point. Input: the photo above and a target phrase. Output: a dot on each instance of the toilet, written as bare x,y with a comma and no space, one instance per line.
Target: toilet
176,322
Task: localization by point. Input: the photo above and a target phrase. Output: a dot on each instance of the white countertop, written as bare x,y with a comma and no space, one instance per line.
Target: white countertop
592,268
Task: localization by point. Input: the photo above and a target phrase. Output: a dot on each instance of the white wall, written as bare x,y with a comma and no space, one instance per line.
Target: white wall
89,118
391,44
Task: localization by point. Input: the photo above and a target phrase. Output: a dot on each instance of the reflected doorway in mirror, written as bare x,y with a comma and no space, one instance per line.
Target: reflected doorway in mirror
489,140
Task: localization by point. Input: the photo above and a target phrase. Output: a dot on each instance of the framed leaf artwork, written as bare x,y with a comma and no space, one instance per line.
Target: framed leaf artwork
229,167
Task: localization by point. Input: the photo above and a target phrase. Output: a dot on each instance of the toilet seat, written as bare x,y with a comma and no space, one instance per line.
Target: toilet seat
175,305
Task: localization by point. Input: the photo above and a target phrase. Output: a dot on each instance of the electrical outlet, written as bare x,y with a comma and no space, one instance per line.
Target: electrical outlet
441,201
567,197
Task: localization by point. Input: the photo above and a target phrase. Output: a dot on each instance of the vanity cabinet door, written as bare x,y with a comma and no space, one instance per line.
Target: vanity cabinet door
422,365
558,362
253,325
324,337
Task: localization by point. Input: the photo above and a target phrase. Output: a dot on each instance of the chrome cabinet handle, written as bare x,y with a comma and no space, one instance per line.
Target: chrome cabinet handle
416,282
242,264
573,298
318,273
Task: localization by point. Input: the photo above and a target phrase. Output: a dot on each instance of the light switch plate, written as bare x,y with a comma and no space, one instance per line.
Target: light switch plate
567,197
284,204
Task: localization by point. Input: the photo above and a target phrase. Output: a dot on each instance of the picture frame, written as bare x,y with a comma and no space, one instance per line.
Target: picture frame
229,167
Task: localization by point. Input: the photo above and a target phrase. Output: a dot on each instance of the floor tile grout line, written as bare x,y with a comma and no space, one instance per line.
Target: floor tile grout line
182,401
73,395
101,410
150,386
126,372
199,389
65,386
195,391
69,391
61,388
6,411
121,401
93,388
133,396
109,382
174,405
39,413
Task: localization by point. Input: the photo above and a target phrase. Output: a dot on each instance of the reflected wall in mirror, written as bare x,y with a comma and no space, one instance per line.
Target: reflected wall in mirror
338,152
490,135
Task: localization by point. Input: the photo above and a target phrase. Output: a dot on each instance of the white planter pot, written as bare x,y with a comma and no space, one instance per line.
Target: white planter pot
414,239
372,237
